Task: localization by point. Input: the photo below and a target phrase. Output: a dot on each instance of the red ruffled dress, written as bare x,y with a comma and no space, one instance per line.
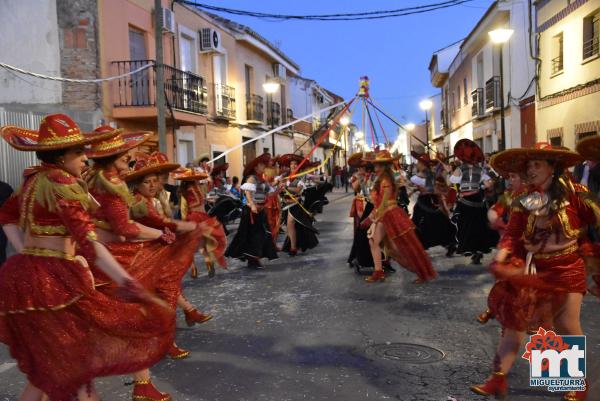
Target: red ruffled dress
158,266
209,229
273,212
401,241
520,301
193,198
60,329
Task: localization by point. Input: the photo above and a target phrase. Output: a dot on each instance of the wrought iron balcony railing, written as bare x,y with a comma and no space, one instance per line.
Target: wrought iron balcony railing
492,93
591,47
254,108
273,114
557,64
477,109
225,101
183,90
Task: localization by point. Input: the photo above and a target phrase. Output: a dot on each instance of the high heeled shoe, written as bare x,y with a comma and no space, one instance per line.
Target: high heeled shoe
378,275
577,395
144,390
484,316
194,271
193,317
175,352
496,385
293,252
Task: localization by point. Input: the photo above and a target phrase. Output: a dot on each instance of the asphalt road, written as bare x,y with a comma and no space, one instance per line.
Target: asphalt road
309,328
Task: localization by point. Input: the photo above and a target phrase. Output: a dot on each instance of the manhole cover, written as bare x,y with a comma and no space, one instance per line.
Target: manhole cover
408,353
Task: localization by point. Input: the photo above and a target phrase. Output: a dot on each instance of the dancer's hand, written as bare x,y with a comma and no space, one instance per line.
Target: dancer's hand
168,236
133,291
502,255
253,208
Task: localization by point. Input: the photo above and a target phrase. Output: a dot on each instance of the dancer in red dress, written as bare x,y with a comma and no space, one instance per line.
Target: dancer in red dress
144,180
192,201
540,255
46,289
152,256
392,227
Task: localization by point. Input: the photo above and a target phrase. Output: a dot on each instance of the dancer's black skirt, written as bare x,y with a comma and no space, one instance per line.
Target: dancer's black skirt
306,233
253,237
474,233
361,251
433,226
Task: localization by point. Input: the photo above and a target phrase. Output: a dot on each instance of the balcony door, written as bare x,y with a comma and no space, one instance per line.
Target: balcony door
139,82
220,80
185,88
186,146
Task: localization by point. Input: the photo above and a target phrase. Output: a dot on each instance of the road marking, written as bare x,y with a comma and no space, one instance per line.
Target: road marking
6,366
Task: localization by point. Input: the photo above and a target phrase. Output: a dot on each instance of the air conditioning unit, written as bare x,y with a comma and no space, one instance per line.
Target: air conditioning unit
210,40
279,70
168,20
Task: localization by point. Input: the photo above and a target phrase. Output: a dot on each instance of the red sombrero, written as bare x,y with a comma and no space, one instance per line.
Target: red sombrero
287,159
468,151
264,159
589,148
57,131
120,143
424,158
381,157
219,168
189,174
156,163
515,160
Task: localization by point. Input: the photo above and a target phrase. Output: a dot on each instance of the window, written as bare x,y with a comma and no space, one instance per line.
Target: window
583,135
556,141
453,105
591,35
458,97
557,54
465,92
249,76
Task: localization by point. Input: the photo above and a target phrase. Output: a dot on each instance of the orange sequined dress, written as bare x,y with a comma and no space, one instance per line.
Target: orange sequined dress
401,241
60,329
519,300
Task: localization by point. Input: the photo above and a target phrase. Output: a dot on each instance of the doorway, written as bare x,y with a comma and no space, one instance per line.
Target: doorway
248,151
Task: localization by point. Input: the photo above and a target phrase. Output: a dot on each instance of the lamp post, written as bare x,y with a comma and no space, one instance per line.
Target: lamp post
499,37
345,120
426,105
270,88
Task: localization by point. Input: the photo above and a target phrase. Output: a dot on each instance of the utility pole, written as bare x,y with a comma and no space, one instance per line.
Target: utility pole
160,79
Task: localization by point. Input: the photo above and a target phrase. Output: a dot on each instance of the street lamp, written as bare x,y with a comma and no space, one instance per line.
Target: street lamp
270,88
499,37
410,127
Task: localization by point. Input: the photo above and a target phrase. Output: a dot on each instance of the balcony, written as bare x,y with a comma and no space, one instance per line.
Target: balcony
477,109
273,114
557,65
591,47
184,91
492,94
225,102
254,109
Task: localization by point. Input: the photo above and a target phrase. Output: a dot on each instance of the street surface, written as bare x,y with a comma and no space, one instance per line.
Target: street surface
309,328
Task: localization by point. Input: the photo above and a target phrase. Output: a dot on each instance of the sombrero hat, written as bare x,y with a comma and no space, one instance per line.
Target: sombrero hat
156,163
264,159
57,131
589,148
189,174
288,158
199,159
468,151
120,143
357,159
515,160
382,157
424,158
219,168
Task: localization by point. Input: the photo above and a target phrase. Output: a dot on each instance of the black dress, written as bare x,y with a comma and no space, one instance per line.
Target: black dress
253,238
306,233
433,226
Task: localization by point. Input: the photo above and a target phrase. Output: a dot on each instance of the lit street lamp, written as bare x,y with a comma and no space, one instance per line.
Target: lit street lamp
270,88
499,37
426,105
